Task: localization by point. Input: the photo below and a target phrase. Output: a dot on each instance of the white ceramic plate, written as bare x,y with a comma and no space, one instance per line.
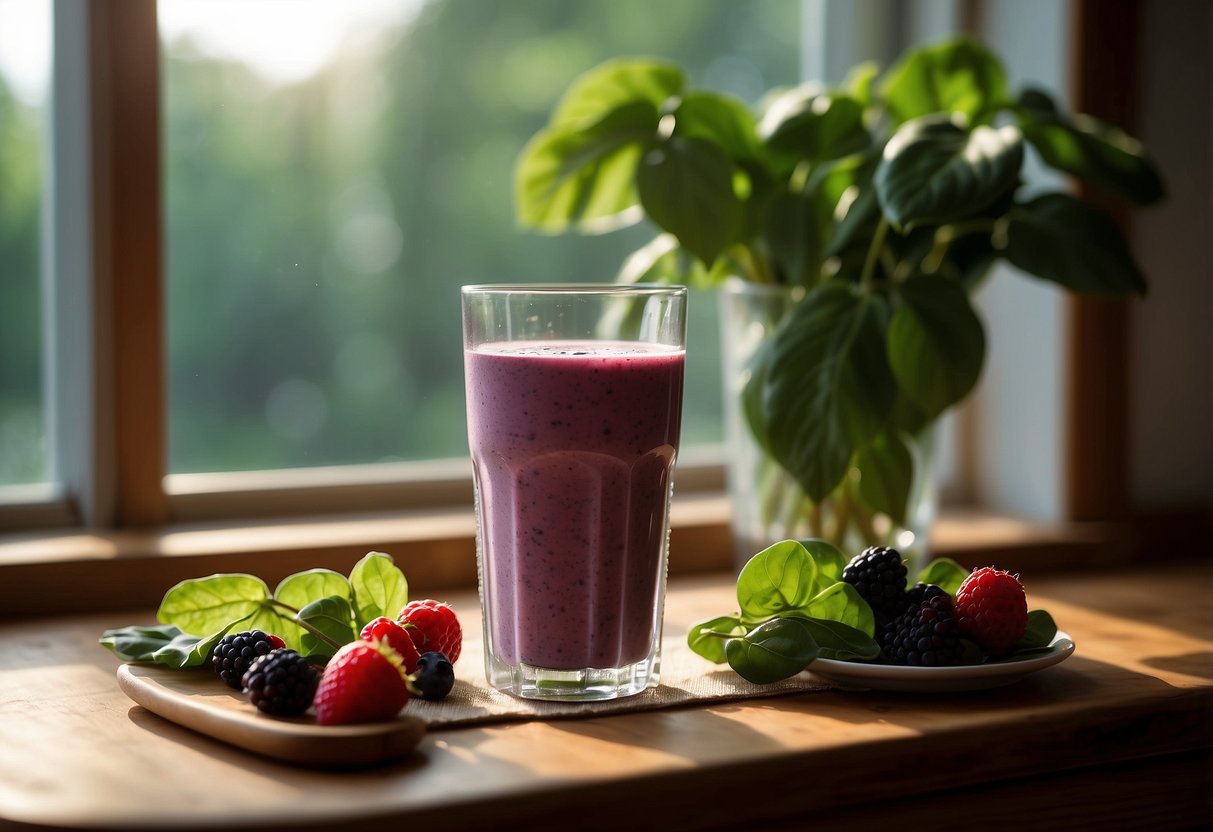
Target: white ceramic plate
860,676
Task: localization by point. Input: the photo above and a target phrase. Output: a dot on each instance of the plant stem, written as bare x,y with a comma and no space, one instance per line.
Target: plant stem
842,516
800,518
754,265
814,519
863,520
305,625
947,234
790,510
770,487
869,263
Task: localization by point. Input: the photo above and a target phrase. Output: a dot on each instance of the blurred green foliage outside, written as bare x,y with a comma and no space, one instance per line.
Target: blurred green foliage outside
23,452
317,232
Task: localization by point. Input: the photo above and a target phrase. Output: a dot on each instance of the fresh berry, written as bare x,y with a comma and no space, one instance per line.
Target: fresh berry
434,677
879,577
281,683
385,629
887,629
236,651
434,628
364,682
992,609
924,635
916,594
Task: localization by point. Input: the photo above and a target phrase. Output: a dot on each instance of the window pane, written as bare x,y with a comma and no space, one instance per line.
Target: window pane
334,173
25,46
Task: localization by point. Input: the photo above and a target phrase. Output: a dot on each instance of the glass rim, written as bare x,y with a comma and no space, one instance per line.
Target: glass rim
574,289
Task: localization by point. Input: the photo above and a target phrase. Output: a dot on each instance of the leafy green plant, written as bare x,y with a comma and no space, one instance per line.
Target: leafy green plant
313,612
886,200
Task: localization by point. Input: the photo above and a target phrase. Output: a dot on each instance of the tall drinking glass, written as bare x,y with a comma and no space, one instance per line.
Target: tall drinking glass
574,398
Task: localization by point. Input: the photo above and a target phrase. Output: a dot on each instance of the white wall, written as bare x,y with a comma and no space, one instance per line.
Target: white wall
1017,456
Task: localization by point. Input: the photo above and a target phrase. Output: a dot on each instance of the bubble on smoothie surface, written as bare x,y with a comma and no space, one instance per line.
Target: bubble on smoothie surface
560,349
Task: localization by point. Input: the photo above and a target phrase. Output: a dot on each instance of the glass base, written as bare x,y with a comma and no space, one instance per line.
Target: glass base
584,685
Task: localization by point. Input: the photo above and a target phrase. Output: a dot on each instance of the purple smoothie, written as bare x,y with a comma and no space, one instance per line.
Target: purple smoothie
572,446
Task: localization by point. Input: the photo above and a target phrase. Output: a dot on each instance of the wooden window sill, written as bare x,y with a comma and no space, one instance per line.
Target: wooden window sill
84,571
1118,736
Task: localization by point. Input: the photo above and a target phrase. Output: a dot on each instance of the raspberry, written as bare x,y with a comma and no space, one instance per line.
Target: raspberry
385,629
364,682
232,656
434,677
925,634
433,627
879,577
281,683
992,609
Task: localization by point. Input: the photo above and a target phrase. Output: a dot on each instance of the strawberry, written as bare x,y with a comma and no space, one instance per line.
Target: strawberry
433,627
992,609
385,629
364,682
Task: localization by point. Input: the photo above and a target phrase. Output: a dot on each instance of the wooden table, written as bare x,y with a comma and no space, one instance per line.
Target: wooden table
1118,736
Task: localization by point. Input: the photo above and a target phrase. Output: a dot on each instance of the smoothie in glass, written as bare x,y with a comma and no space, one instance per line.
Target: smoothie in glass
573,443
574,400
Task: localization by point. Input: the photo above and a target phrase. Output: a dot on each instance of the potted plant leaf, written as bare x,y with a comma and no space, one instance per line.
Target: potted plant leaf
847,228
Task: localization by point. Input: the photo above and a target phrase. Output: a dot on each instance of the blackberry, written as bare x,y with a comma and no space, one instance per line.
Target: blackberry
918,593
235,652
434,677
281,683
888,628
925,634
879,577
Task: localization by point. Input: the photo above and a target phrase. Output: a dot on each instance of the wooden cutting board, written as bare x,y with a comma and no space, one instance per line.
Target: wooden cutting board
202,702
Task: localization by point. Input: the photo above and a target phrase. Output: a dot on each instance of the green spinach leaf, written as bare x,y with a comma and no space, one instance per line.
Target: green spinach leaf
780,578
778,649
936,171
945,573
707,637
332,617
378,588
828,387
204,605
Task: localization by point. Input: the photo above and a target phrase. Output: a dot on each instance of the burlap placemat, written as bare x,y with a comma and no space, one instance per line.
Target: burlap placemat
686,679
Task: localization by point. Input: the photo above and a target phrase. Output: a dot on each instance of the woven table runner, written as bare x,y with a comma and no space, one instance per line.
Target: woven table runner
686,679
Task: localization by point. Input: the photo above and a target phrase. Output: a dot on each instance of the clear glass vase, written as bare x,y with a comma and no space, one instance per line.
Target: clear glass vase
768,504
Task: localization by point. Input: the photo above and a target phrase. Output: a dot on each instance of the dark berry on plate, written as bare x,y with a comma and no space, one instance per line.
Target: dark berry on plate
916,594
879,576
281,683
235,652
925,635
434,677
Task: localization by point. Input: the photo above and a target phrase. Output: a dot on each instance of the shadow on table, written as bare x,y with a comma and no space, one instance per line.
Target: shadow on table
680,730
1198,664
252,762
